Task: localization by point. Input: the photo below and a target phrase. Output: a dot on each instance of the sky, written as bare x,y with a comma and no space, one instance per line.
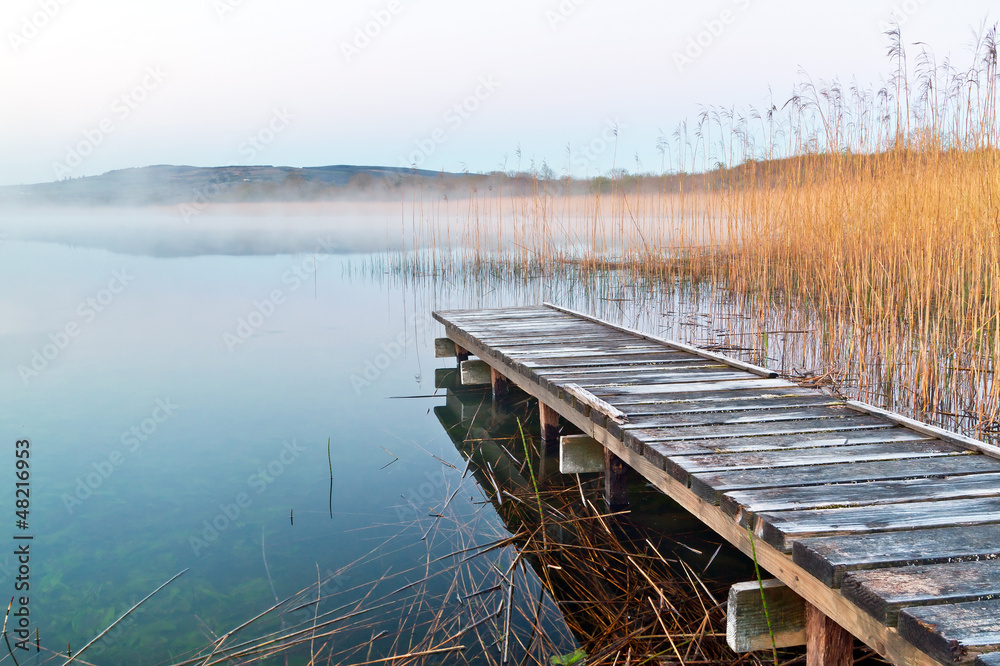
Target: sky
95,85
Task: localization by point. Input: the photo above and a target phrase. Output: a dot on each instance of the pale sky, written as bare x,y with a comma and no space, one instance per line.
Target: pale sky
95,85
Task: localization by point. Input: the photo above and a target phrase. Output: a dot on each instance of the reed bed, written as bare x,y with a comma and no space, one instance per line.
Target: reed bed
558,580
868,217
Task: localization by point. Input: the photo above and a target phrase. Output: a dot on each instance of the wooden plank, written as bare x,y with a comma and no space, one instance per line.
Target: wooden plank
627,372
444,348
584,396
780,528
885,642
664,356
884,592
681,466
539,339
749,367
641,378
827,643
475,372
845,424
711,485
515,310
570,348
580,454
927,429
561,351
672,421
739,392
744,503
953,633
751,622
649,392
740,406
722,418
829,558
658,452
516,323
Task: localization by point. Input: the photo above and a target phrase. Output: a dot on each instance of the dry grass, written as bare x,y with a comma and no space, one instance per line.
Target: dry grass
871,217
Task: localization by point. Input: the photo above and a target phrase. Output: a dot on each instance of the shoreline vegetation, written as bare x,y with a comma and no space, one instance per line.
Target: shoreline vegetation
867,218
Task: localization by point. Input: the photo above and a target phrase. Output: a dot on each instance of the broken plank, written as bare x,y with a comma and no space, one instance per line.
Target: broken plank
882,593
829,558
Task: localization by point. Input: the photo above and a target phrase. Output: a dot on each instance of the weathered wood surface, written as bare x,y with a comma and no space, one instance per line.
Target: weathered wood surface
444,348
681,467
745,393
827,644
712,485
651,390
475,372
580,454
801,426
884,592
549,423
743,504
757,609
780,528
840,484
615,481
592,402
747,405
954,633
829,558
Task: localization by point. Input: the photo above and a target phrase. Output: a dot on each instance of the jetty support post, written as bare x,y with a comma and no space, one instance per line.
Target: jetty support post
764,614
615,481
827,643
446,348
549,419
501,385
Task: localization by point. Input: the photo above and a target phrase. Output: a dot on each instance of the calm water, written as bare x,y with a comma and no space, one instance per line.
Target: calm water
179,411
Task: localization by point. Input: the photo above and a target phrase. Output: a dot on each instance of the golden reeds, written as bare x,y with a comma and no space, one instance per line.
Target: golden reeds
868,218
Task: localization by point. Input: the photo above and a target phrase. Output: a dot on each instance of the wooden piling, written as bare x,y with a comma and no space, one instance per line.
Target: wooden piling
501,385
549,419
615,481
827,643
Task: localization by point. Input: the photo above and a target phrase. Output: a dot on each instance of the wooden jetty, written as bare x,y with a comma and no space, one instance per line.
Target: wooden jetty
887,528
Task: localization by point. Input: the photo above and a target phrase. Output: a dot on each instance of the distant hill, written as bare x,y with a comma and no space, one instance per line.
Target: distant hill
178,185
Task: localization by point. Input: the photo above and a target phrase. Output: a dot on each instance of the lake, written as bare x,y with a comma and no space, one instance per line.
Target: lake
179,407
